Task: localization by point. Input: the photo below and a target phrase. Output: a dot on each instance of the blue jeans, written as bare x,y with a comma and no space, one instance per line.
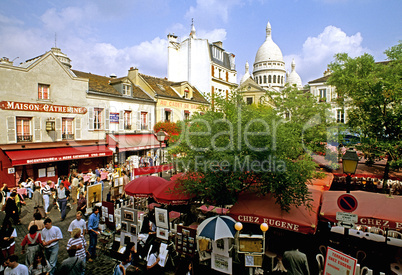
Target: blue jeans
51,255
93,240
30,192
63,206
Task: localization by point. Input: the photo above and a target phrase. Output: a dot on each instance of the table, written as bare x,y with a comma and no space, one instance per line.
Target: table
22,191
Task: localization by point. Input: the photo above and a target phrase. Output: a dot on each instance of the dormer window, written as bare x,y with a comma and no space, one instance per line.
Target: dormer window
186,93
217,53
126,89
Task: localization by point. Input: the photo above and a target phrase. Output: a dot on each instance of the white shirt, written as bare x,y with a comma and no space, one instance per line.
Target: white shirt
20,269
81,224
51,234
151,259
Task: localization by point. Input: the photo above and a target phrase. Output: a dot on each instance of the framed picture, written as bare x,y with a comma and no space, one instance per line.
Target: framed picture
128,215
124,226
162,233
221,263
133,229
161,217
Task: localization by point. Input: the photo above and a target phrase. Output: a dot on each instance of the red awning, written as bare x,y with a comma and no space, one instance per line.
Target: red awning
251,208
23,157
152,169
373,209
133,142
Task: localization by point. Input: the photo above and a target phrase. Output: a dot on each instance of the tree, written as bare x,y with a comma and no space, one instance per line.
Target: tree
243,147
373,93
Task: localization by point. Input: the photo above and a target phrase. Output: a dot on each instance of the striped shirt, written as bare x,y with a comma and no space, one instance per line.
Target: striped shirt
46,190
78,241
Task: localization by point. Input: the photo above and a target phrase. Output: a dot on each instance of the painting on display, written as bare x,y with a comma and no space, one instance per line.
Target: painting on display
94,194
162,233
161,218
221,263
185,240
129,215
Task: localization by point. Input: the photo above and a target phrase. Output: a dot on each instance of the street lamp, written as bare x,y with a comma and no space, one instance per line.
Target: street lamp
349,164
160,136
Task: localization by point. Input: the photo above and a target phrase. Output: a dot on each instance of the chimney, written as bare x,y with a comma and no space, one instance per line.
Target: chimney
6,61
172,38
133,75
113,76
219,44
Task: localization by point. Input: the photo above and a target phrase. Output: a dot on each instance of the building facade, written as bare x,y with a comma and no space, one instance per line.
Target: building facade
205,66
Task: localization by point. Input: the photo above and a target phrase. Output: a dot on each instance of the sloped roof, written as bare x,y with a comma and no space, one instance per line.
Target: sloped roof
164,87
320,80
101,84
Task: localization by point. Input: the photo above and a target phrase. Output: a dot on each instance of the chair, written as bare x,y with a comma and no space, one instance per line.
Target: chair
320,263
360,256
366,271
376,230
394,234
323,250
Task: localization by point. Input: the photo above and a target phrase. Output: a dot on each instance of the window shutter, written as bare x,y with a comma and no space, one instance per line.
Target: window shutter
37,129
107,119
182,114
90,118
149,117
121,121
58,128
11,131
138,120
78,131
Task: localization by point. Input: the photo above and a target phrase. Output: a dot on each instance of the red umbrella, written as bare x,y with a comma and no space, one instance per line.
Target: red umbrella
144,186
170,193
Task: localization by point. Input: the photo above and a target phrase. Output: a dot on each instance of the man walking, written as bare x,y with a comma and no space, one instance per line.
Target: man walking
73,265
46,193
50,240
38,201
78,223
74,188
13,267
62,197
93,230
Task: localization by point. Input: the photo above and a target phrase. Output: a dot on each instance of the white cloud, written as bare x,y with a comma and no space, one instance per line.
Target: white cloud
210,10
319,51
214,35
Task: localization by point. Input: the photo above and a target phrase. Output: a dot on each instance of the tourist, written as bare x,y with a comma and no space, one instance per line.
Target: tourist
11,209
37,221
14,268
28,185
78,240
92,176
62,197
97,172
78,223
99,181
74,187
40,265
295,261
93,230
82,204
73,265
33,239
39,202
7,238
126,262
19,201
152,261
134,255
46,193
50,240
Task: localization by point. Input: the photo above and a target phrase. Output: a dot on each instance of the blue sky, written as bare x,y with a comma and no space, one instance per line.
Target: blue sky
105,37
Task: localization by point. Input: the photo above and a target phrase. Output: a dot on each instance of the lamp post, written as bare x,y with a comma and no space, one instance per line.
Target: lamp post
160,136
349,164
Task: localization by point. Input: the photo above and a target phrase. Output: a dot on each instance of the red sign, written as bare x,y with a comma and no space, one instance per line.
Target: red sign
347,203
39,107
337,262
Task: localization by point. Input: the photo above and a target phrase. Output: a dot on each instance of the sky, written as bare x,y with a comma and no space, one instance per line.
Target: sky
108,37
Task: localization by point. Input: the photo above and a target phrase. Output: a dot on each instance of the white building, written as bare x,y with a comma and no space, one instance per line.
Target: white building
208,67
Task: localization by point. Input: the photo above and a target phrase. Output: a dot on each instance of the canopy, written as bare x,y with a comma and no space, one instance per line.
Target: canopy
252,208
217,227
373,209
143,186
170,193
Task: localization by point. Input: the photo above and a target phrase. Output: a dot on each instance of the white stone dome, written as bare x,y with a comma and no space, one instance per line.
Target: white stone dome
268,51
246,74
294,78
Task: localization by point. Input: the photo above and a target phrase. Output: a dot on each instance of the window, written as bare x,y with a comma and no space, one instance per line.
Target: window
340,116
186,115
323,95
269,79
43,91
67,128
98,113
186,93
127,120
24,129
249,100
274,78
217,53
144,120
168,115
126,89
260,80
265,79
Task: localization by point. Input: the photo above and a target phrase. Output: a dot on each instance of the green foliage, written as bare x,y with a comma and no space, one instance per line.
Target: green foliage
373,91
244,147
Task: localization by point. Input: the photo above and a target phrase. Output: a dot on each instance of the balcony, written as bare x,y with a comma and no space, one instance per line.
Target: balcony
67,136
24,138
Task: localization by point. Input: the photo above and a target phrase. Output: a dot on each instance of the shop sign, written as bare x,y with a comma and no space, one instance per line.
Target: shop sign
114,117
67,157
337,262
178,105
11,170
40,107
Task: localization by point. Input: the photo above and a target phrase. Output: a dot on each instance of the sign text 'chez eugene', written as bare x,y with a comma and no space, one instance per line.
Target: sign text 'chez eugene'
40,107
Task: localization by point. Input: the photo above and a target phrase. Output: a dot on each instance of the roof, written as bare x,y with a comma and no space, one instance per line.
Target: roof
164,87
226,57
101,84
320,80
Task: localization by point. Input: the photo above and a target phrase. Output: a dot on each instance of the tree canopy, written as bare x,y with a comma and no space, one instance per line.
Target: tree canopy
242,147
373,94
